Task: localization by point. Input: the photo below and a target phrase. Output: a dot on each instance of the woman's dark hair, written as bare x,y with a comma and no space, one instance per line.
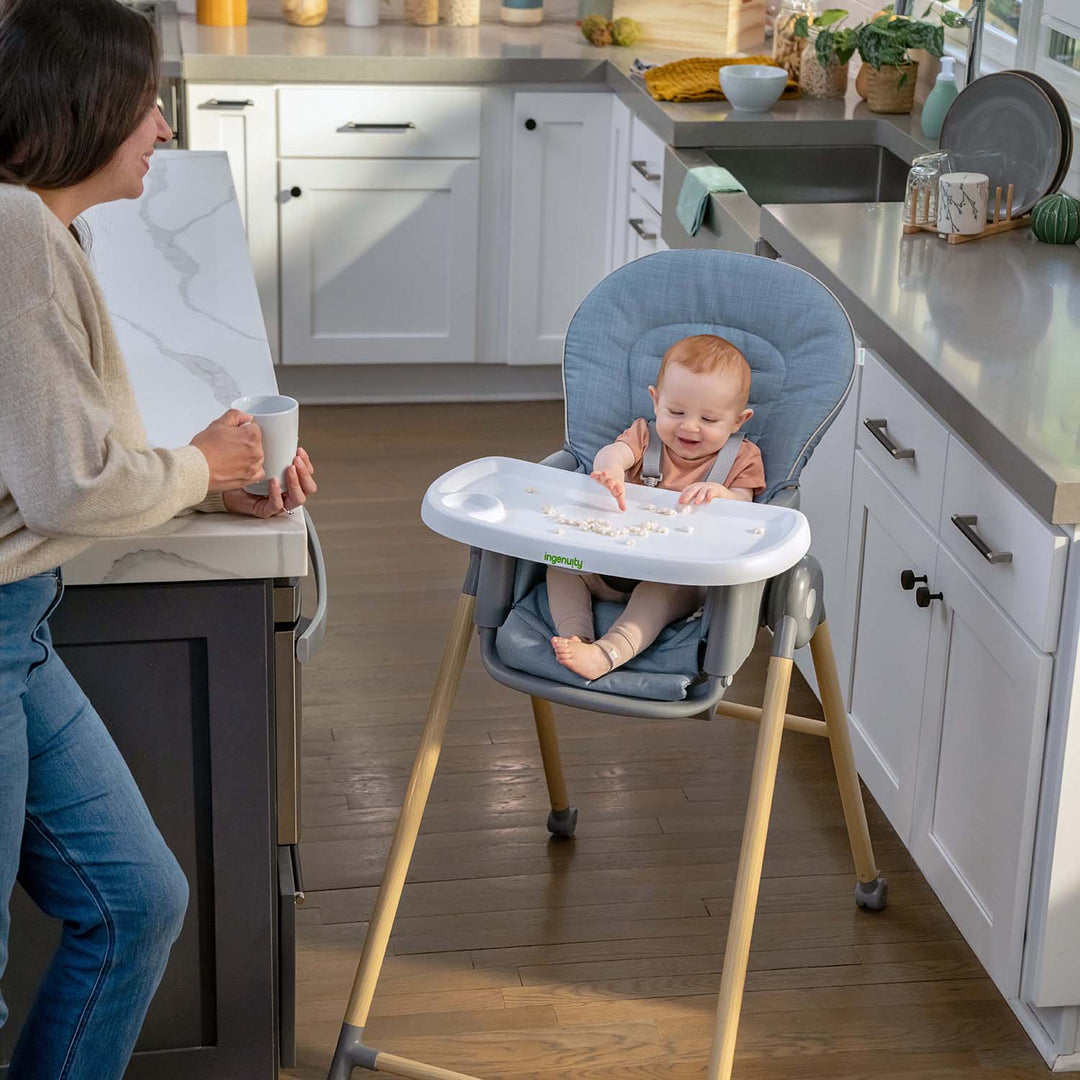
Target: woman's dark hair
78,78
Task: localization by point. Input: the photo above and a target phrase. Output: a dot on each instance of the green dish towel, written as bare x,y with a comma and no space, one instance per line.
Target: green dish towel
697,185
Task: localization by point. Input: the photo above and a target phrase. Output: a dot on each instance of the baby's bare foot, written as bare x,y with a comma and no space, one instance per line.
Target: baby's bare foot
581,657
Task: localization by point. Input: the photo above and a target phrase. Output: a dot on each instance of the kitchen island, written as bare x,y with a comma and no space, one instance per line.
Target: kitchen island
174,636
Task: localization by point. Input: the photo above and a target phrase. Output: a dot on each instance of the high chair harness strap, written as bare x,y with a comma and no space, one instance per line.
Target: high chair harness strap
650,461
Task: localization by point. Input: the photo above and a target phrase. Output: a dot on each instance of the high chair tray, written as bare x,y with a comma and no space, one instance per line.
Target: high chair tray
567,519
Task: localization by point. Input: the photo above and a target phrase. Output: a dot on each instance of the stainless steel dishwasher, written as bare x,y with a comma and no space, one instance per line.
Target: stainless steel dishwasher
296,640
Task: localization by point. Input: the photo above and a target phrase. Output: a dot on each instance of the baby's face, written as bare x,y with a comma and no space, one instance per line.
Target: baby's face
696,414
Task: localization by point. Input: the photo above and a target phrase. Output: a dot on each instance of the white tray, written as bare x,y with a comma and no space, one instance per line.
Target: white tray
498,504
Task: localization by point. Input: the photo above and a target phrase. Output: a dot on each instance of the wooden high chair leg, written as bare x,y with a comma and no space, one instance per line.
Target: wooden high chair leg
351,1052
563,817
751,858
871,892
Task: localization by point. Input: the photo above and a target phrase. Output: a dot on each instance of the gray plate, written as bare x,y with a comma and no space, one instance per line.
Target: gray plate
1064,119
1006,126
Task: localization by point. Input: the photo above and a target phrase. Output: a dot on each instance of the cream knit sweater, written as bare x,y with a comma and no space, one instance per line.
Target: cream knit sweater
74,460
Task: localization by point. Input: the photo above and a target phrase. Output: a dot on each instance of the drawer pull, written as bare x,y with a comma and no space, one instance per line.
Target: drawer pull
642,168
376,129
638,225
220,103
877,429
966,524
908,579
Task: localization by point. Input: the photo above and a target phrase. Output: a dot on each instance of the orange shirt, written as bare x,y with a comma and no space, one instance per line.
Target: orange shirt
678,473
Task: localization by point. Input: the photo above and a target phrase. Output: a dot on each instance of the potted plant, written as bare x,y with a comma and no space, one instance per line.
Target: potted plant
823,69
887,79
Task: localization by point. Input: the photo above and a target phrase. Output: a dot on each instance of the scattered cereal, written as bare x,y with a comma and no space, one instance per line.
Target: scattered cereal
662,530
686,528
629,541
549,510
530,491
558,532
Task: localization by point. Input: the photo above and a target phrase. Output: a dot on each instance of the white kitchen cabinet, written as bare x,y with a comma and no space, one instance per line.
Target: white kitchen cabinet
977,788
241,120
379,261
559,216
619,186
890,636
825,499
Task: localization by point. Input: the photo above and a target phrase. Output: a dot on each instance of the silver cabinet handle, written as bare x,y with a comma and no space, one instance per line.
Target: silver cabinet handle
877,429
638,225
220,103
966,524
642,168
353,126
308,642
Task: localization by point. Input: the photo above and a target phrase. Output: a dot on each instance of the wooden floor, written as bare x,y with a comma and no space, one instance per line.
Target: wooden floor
599,958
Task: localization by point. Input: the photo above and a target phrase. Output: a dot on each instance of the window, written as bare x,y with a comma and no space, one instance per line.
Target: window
1000,34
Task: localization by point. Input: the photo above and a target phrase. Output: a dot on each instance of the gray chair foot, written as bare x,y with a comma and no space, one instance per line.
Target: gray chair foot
351,1053
872,895
562,823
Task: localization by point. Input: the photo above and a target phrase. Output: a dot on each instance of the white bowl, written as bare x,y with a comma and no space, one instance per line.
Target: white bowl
752,87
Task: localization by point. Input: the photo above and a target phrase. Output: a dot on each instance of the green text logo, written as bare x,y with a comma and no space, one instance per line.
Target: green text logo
563,560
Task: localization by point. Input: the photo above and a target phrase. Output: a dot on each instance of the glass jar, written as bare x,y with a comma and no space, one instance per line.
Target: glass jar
304,12
422,12
921,194
461,12
787,48
827,82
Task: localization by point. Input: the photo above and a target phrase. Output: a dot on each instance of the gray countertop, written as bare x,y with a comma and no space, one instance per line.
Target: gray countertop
987,333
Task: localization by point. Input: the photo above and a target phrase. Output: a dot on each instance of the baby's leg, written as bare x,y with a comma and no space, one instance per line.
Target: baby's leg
575,650
652,606
571,604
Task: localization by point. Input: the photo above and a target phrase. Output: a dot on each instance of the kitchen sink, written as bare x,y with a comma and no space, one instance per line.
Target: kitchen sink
815,174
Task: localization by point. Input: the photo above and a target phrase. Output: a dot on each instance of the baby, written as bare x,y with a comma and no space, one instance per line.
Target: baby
700,402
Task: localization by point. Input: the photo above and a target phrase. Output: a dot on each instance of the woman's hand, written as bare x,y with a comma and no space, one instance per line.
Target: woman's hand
299,484
232,446
615,481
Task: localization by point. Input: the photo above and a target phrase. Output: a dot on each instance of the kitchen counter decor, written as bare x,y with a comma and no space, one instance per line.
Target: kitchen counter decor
823,69
999,222
698,79
889,74
304,12
1055,219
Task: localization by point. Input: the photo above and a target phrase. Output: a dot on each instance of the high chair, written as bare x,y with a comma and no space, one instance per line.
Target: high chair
801,348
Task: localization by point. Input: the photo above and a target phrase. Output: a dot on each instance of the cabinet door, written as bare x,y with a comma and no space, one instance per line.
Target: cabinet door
890,637
619,188
980,758
825,499
559,213
241,121
379,261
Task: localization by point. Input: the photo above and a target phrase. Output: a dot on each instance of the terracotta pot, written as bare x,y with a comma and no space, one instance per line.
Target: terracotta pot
892,89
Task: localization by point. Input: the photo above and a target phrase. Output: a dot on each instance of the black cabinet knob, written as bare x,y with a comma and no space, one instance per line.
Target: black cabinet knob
530,124
296,192
923,596
908,579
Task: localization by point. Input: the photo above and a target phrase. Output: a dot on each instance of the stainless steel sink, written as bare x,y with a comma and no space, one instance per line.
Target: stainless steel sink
815,174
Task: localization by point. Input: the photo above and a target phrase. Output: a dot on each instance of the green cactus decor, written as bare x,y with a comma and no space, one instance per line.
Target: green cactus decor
1055,219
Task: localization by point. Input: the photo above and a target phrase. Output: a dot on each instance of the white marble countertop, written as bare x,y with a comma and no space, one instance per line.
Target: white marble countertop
174,268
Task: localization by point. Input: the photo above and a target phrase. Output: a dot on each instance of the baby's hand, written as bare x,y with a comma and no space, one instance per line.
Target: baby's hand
696,494
614,482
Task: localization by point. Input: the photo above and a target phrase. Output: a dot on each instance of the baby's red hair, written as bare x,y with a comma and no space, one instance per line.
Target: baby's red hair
707,354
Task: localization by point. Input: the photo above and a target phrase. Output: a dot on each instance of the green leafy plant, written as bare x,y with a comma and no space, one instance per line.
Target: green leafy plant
830,44
884,41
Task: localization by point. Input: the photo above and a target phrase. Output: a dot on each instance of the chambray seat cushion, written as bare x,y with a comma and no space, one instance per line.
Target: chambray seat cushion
801,349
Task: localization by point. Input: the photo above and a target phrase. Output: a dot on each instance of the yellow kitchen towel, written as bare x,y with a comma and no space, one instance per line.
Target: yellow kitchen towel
698,79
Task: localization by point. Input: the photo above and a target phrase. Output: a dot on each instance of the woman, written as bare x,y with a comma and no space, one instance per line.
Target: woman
78,123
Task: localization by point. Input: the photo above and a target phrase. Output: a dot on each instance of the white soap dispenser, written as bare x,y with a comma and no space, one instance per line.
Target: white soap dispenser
941,96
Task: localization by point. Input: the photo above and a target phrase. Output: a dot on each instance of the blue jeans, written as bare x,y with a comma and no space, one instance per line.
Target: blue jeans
76,831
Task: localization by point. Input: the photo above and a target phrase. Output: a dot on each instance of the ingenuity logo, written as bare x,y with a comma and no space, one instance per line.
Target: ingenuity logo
563,560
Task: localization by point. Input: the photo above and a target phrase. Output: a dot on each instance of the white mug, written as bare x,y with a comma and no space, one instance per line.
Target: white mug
962,202
361,12
278,418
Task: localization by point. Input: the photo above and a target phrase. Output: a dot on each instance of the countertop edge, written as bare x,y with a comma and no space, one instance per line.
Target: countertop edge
1056,503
